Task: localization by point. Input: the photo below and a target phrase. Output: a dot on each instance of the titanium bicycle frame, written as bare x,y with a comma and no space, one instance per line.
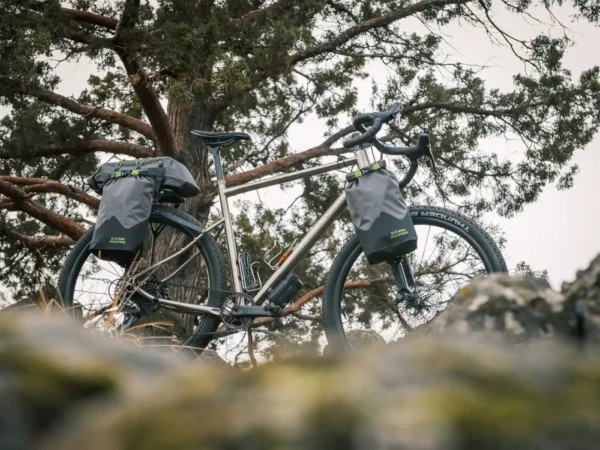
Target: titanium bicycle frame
313,235
361,159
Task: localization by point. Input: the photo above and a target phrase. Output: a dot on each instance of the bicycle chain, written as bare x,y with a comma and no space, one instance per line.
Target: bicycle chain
232,323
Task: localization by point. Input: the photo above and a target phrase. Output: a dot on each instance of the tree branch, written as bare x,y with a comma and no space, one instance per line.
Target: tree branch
239,163
92,18
289,161
325,147
22,202
40,242
108,115
142,85
129,17
376,22
470,110
47,185
274,9
150,102
91,146
310,295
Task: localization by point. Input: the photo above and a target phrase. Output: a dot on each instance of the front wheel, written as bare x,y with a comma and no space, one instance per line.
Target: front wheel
362,301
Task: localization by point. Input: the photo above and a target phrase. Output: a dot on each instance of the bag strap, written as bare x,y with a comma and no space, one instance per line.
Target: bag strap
365,170
156,173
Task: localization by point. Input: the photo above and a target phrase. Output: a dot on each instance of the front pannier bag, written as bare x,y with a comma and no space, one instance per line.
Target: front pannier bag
128,189
380,215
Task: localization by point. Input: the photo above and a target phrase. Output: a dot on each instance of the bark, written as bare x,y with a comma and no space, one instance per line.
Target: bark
22,202
45,185
184,118
78,148
149,100
99,112
92,18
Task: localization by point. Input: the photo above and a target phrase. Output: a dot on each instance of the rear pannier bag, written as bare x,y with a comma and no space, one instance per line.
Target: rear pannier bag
380,215
128,190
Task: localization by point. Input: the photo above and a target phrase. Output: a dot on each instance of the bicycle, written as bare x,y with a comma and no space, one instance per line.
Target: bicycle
144,296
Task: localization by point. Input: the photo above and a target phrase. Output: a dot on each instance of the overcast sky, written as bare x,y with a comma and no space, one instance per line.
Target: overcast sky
559,232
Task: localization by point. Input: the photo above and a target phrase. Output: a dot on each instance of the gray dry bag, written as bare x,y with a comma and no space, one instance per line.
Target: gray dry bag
380,215
128,189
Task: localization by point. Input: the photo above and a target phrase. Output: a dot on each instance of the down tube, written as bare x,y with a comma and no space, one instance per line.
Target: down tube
318,229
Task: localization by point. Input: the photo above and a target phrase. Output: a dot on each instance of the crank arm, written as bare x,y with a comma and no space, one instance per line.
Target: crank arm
254,311
238,311
189,308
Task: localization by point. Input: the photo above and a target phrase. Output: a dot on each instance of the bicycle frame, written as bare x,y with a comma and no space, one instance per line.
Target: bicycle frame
313,235
361,159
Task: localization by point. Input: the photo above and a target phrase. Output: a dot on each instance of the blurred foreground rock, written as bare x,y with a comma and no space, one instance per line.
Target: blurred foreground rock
49,367
454,386
585,289
429,395
518,309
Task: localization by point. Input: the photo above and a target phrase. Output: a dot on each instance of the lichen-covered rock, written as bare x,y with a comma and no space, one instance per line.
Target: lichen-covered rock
49,366
62,388
586,289
360,339
435,394
514,308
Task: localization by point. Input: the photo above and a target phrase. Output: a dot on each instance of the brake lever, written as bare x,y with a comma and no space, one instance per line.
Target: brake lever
424,142
431,163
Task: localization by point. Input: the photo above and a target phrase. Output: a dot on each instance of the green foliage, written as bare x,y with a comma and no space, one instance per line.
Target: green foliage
252,66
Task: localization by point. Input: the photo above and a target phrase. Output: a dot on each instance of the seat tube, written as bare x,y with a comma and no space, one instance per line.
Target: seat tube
237,284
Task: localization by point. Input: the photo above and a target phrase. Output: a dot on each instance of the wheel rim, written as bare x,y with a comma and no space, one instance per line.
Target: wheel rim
365,311
94,284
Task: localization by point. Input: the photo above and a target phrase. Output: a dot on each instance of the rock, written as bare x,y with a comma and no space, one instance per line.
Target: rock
516,309
435,394
360,339
49,366
364,338
456,387
586,290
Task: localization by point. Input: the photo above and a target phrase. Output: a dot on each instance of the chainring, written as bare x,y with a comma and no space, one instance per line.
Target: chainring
236,323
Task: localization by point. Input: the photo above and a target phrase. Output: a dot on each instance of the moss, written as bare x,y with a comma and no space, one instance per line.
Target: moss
49,386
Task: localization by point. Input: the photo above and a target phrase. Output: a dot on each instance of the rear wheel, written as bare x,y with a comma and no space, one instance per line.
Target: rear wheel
361,301
100,292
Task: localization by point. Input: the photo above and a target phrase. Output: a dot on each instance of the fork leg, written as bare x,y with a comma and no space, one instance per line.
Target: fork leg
405,281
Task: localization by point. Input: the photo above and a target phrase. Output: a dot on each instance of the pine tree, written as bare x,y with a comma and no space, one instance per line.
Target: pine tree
261,66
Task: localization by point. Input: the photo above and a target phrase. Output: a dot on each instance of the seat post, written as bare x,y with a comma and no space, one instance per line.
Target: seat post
237,284
216,152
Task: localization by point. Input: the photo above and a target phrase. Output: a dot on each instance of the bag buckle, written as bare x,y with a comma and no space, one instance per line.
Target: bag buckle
365,170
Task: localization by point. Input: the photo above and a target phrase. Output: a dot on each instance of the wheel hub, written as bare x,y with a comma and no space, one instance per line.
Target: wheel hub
137,304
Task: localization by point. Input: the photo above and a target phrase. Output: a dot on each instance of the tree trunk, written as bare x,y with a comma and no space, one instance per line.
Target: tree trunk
191,151
185,117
